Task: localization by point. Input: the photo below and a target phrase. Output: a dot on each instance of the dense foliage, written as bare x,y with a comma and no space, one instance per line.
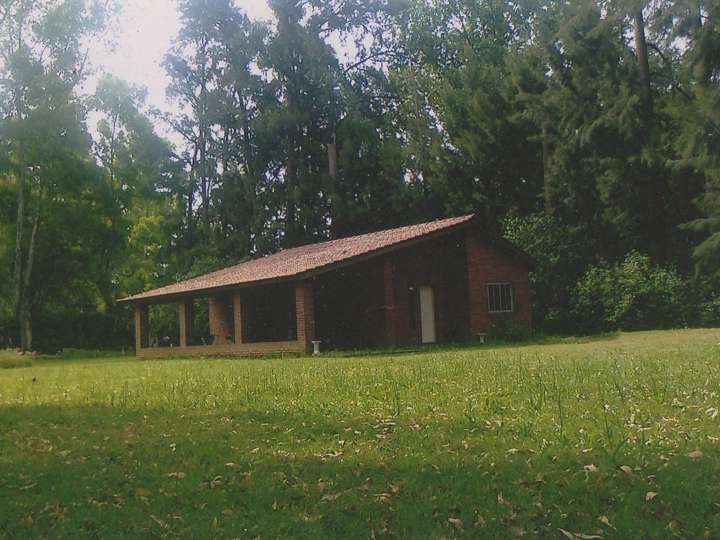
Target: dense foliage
631,295
585,131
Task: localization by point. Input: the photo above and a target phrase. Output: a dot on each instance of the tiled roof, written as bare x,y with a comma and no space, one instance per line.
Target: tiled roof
297,261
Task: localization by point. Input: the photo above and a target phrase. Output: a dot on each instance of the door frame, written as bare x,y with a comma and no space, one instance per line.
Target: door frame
427,303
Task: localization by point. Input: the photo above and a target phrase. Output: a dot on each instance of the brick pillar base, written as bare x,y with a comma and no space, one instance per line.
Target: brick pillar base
185,314
142,321
237,316
305,314
221,320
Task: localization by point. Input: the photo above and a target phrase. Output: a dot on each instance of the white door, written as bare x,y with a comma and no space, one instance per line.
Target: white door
427,314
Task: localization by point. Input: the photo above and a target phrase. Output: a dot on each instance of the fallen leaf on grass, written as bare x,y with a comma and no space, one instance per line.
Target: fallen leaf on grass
579,536
590,468
696,454
650,495
626,469
605,521
513,451
159,522
179,475
330,497
456,522
501,500
215,482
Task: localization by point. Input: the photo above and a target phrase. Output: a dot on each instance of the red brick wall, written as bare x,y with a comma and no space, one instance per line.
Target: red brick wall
486,264
438,264
389,307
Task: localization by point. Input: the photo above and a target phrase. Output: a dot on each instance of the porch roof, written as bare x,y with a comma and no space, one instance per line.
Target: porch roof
304,260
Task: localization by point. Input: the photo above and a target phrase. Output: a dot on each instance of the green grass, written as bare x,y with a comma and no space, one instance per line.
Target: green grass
12,359
617,437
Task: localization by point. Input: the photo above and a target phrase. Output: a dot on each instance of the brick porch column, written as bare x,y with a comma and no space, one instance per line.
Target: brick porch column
142,320
237,316
389,306
305,314
221,324
186,322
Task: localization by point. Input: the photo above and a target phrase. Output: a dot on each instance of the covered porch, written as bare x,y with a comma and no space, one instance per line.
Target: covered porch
269,320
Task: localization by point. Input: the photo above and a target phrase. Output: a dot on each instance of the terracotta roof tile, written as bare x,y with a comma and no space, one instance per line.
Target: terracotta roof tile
297,261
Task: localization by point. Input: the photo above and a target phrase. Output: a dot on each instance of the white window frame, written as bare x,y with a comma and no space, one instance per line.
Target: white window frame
512,297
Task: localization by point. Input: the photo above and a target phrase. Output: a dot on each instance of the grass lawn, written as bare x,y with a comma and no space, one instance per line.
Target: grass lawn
617,437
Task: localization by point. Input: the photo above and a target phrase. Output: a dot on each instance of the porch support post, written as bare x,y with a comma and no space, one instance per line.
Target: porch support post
142,318
186,322
389,303
220,320
305,314
237,316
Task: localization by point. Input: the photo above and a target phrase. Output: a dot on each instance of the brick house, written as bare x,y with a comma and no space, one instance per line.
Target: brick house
435,282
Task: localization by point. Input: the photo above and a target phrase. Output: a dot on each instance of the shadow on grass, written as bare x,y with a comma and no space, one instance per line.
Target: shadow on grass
490,344
111,472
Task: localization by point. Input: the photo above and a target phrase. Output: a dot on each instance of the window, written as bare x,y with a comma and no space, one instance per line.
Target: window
500,297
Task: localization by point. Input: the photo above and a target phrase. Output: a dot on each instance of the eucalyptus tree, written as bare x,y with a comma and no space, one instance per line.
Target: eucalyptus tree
690,33
219,92
467,148
48,164
141,174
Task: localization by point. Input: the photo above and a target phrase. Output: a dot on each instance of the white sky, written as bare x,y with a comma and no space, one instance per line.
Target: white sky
143,34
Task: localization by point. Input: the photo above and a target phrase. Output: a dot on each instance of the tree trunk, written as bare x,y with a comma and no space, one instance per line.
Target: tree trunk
332,159
335,226
25,315
547,161
643,63
291,227
19,228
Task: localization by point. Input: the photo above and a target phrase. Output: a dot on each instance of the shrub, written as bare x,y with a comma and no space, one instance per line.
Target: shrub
632,295
511,331
560,256
709,313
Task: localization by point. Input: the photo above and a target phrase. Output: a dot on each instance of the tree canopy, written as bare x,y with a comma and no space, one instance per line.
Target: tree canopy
587,132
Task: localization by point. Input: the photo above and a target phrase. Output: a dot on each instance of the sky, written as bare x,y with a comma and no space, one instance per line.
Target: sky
143,34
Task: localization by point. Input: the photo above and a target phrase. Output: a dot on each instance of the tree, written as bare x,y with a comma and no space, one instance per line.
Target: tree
43,62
